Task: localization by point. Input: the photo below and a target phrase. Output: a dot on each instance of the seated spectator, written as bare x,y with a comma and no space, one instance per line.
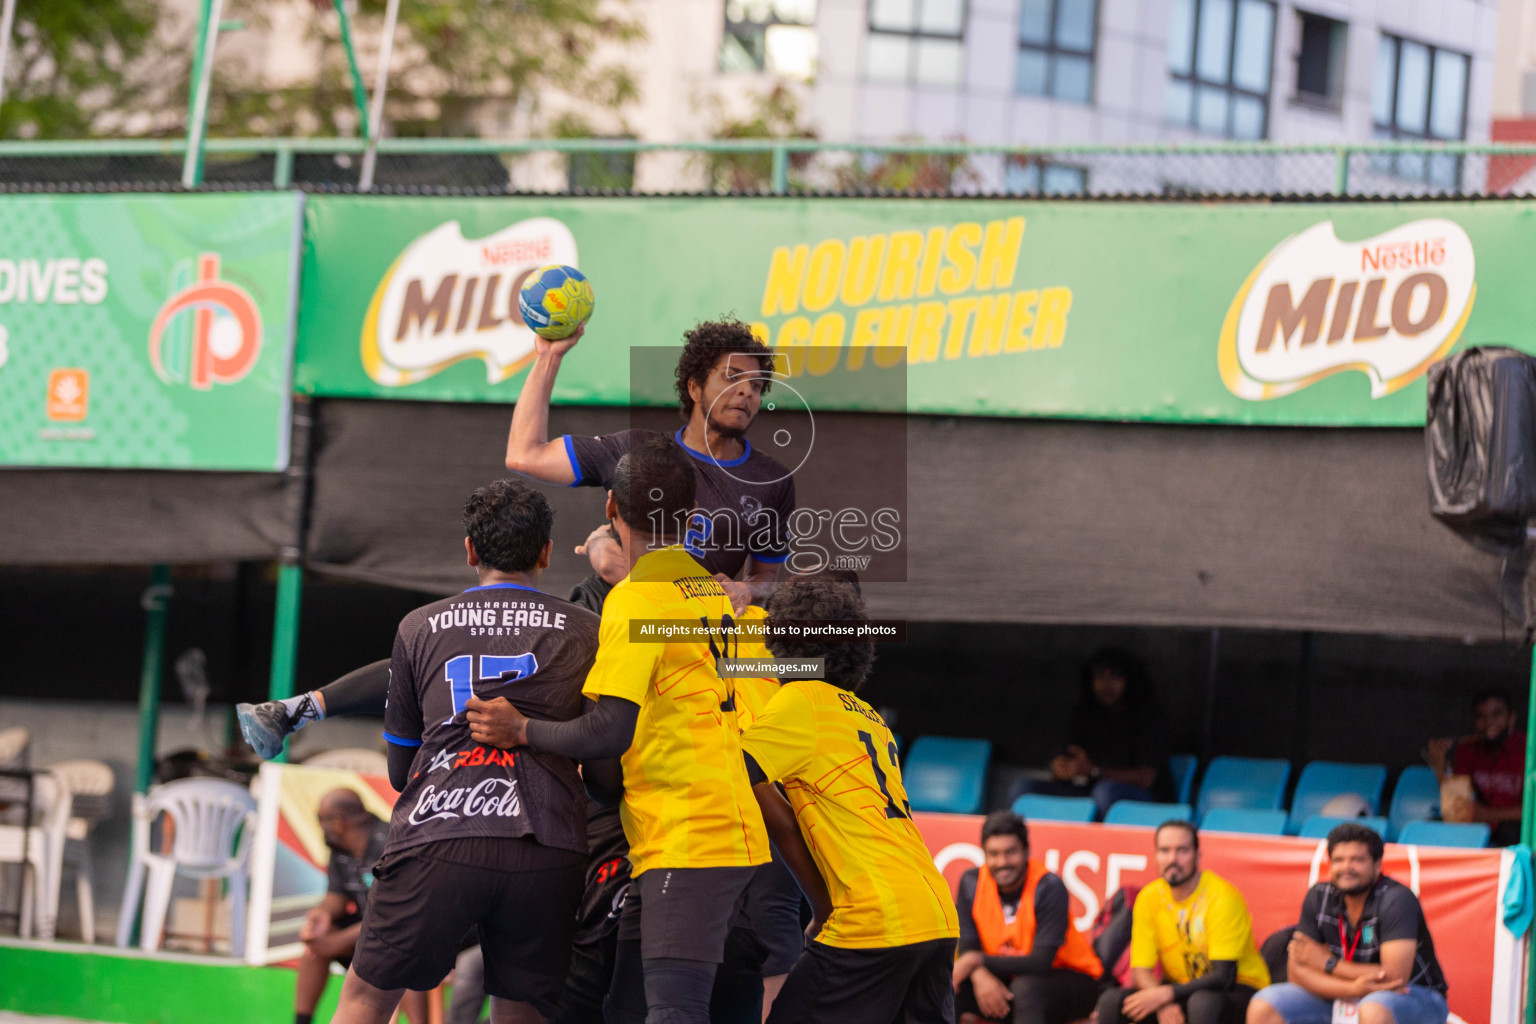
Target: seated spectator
1118,744
1194,924
1362,939
1020,958
1494,756
330,931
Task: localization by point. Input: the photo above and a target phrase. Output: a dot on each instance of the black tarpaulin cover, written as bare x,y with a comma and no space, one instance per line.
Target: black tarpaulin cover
1009,520
1481,438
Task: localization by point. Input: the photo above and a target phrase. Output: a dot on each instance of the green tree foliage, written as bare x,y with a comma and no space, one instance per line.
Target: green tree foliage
451,59
74,62
776,114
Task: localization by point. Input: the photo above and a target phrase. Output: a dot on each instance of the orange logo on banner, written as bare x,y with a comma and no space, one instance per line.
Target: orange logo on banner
224,350
69,395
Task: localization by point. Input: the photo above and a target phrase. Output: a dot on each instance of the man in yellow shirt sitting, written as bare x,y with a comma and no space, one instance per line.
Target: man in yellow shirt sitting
1195,925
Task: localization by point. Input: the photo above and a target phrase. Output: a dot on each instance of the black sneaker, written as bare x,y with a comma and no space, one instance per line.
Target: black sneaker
264,727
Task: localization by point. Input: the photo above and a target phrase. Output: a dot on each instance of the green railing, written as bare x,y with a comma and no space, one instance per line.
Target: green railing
786,166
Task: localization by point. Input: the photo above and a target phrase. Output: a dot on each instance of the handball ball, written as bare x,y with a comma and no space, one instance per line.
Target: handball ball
555,301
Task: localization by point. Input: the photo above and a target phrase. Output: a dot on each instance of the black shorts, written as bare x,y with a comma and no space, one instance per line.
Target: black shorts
521,895
894,985
683,913
772,911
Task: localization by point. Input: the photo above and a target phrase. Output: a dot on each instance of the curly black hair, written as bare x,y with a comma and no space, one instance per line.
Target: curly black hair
509,523
822,598
705,344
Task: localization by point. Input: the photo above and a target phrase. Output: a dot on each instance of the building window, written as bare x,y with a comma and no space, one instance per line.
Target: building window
596,171
915,41
776,36
1320,61
1219,63
1056,39
1420,92
1025,177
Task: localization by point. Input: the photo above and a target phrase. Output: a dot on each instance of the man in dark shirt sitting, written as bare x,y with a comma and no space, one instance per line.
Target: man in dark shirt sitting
1117,747
329,932
1362,939
1020,958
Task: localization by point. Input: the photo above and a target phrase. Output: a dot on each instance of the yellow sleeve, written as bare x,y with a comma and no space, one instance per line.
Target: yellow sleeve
783,738
1228,931
1144,931
621,668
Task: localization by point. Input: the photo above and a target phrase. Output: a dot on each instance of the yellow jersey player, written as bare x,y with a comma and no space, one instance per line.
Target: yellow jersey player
695,832
885,927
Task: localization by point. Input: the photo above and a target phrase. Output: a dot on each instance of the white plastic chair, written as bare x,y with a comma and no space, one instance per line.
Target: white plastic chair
351,759
212,823
90,786
43,844
13,746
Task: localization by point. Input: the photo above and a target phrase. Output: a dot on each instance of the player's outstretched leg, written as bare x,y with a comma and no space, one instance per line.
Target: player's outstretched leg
360,692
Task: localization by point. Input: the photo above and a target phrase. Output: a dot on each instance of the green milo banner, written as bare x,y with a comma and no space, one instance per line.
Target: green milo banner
148,332
1224,313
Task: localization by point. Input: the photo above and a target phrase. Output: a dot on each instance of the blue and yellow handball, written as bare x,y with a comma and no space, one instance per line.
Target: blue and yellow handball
555,301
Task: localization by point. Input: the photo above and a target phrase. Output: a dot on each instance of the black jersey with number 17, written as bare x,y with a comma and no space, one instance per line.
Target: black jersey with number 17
501,640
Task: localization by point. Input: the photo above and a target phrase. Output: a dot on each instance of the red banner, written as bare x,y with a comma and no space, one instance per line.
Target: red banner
1459,889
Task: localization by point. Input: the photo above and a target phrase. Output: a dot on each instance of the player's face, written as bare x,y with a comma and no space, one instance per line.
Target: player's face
1006,860
732,393
1353,870
1491,718
1177,859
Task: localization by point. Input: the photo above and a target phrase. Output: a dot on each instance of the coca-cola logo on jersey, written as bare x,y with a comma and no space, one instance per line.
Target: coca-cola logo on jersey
488,798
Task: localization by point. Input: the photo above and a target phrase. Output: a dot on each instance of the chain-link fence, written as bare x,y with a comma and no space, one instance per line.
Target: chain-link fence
780,167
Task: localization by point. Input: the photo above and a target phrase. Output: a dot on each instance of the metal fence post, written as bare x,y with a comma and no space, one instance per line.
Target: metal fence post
780,170
282,167
1341,171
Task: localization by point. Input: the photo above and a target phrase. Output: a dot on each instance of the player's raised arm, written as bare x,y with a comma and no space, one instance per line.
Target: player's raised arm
529,449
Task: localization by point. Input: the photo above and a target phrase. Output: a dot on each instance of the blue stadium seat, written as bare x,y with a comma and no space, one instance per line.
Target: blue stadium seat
1182,768
943,773
1416,797
1318,827
1039,807
1444,833
1247,820
1321,781
1138,812
1244,782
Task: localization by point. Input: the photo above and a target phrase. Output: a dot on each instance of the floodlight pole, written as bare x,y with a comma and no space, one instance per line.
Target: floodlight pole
202,77
359,95
7,21
375,123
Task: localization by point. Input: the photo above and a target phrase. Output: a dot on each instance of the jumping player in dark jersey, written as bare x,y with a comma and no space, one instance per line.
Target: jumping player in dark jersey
745,498
481,837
